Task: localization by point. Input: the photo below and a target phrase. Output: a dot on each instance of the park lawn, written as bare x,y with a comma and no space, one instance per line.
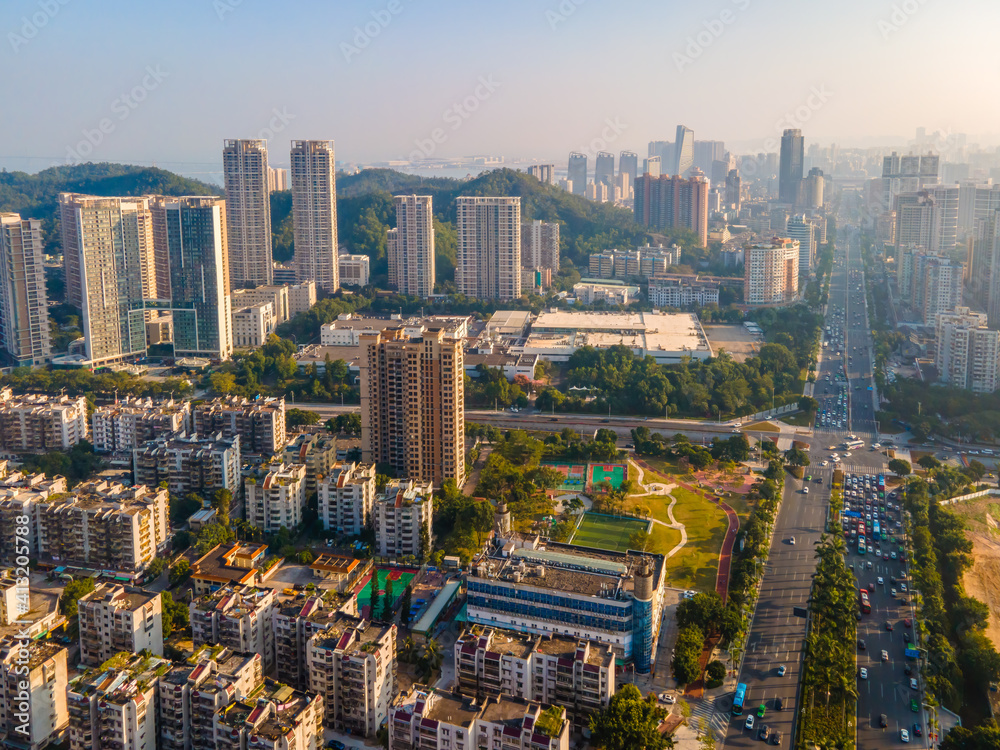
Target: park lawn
800,419
760,427
697,564
664,539
665,466
738,502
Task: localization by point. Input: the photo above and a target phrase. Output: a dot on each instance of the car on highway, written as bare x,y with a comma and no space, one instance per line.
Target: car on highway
904,736
791,540
914,706
908,623
761,710
885,655
863,673
881,582
861,645
776,737
892,592
888,626
779,703
918,730
913,683
748,724
764,732
781,671
883,721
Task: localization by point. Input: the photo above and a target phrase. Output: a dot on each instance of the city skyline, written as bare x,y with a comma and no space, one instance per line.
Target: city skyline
140,110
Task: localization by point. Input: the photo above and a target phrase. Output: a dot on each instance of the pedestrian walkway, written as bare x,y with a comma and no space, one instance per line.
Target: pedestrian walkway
705,710
849,468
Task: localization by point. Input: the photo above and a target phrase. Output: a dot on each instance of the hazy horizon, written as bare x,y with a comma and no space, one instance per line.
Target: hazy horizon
169,82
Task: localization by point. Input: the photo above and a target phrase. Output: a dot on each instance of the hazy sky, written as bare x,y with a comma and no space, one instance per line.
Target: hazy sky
169,80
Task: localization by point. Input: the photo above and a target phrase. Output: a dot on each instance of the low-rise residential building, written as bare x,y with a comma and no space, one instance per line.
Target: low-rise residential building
33,681
191,696
341,571
346,497
352,664
238,617
105,525
276,294
317,451
253,324
115,708
277,497
259,424
301,297
674,292
355,270
575,674
274,717
235,563
35,423
126,425
115,618
424,719
403,514
189,464
589,292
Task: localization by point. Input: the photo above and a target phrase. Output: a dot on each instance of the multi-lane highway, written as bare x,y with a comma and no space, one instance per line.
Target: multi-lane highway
777,634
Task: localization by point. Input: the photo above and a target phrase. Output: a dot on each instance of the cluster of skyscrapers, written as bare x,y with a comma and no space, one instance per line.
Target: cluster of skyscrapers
130,262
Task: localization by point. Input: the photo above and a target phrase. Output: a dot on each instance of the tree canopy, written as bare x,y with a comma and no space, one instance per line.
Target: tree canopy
629,722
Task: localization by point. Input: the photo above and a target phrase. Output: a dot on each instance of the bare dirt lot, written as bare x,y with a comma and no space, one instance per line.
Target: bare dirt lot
982,580
735,339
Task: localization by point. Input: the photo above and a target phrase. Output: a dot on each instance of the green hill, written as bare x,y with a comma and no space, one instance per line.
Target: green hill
365,211
36,196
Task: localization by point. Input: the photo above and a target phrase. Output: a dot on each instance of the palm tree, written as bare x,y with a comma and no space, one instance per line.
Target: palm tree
407,650
430,659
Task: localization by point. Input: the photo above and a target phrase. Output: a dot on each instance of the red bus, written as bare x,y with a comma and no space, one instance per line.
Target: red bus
866,607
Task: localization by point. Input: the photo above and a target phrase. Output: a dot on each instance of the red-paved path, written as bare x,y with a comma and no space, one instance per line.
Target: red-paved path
726,555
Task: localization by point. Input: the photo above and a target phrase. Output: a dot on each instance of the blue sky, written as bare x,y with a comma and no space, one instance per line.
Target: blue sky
530,79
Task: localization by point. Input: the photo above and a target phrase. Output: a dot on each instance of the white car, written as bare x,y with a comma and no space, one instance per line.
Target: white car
748,724
863,673
824,463
881,581
805,490
668,698
904,736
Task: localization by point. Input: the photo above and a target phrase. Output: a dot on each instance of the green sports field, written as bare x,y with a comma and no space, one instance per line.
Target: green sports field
607,532
614,474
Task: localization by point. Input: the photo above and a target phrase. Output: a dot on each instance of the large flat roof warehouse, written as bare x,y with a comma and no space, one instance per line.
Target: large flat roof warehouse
667,337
